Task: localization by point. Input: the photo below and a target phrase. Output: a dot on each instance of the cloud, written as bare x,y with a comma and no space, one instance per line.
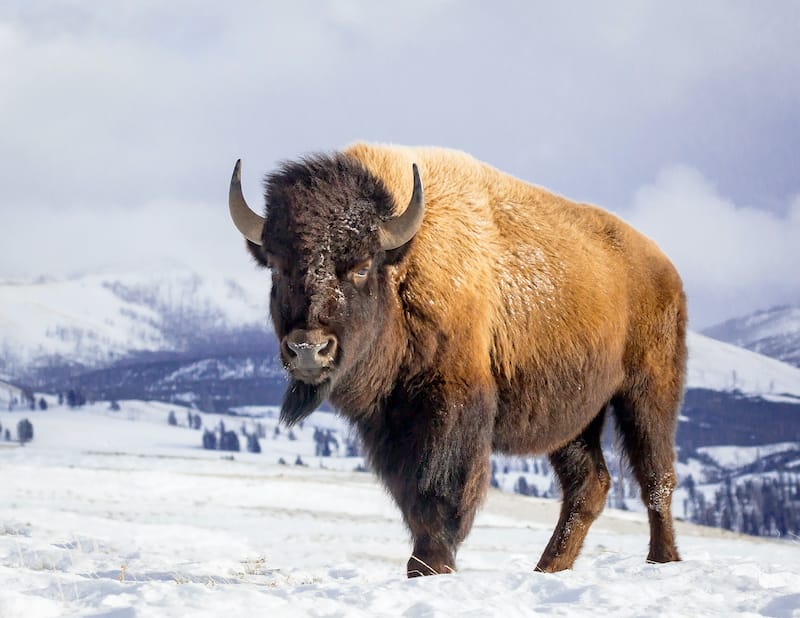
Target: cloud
733,258
105,104
107,109
157,235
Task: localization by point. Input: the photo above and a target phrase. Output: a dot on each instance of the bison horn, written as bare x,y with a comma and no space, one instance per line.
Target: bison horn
399,230
246,221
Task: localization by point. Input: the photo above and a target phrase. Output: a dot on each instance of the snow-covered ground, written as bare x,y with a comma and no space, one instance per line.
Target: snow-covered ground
119,514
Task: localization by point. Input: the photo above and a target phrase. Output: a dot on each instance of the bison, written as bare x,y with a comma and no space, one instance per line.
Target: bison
480,314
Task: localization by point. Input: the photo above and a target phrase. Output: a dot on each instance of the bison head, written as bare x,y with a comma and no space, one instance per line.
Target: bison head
329,238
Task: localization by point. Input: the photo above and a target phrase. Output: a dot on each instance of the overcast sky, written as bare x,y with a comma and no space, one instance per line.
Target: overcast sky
120,121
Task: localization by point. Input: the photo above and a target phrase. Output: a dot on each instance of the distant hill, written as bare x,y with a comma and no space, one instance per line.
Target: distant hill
205,339
94,321
773,332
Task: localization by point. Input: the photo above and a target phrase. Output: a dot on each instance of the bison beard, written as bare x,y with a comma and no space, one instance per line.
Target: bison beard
301,399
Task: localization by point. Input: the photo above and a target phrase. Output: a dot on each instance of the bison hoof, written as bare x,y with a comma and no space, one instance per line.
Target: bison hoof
552,567
666,555
419,567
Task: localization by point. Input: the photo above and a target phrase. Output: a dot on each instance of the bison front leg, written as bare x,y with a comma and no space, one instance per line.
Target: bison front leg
437,526
435,463
440,517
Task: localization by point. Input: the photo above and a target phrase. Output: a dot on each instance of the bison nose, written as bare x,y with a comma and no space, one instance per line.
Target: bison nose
309,349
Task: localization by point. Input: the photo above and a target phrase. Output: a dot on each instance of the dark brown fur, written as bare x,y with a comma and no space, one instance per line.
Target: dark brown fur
511,322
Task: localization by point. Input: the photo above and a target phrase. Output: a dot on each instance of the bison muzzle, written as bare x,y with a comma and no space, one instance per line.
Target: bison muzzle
450,311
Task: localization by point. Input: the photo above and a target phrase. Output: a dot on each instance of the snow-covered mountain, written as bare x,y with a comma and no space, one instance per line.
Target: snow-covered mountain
95,320
718,366
773,332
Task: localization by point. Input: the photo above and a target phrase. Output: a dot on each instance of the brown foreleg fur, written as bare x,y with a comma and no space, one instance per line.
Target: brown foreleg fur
584,479
434,461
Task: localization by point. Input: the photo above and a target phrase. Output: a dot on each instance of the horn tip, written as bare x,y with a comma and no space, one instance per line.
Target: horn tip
237,171
417,179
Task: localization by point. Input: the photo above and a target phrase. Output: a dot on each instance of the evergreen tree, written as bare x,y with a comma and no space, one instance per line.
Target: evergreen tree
209,440
24,431
229,441
333,443
171,419
42,404
690,486
252,443
75,398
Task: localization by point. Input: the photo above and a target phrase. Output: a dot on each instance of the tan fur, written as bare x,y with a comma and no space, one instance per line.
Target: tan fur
540,280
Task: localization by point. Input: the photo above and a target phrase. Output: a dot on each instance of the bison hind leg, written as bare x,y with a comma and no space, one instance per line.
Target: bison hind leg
585,482
647,431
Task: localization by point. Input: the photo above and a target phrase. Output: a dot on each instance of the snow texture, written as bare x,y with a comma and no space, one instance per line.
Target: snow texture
119,514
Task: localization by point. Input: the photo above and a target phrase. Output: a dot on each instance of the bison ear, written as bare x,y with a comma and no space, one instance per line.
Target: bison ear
256,253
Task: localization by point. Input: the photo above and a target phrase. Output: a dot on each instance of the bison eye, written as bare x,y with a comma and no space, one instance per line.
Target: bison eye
360,273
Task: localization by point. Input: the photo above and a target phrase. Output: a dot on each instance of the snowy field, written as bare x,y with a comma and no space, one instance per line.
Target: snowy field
121,515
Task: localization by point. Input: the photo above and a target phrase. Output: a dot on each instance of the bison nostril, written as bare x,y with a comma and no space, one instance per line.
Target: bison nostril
288,349
329,348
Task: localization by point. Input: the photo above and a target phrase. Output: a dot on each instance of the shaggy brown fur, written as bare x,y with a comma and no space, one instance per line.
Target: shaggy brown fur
509,323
